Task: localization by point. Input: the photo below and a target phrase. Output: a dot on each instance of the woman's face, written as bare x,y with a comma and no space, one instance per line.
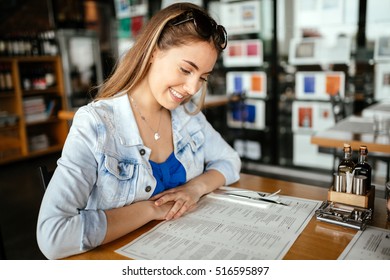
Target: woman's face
178,73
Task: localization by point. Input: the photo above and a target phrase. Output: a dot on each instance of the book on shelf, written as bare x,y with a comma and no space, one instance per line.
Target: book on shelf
35,109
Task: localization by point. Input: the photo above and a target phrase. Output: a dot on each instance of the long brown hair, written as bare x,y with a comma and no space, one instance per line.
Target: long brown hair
134,65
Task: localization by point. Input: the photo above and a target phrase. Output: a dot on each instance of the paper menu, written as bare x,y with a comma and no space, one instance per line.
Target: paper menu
371,244
226,228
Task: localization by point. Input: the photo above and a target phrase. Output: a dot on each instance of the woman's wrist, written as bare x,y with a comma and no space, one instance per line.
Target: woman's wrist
208,182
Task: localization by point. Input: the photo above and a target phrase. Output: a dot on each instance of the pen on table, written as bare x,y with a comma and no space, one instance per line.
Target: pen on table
257,198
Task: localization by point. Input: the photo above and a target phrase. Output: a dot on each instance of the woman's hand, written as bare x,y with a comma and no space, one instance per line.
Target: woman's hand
186,197
182,199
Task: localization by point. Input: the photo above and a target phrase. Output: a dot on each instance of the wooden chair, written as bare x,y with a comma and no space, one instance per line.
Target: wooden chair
2,249
45,176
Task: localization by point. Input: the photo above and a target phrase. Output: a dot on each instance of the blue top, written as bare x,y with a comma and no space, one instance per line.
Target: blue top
169,174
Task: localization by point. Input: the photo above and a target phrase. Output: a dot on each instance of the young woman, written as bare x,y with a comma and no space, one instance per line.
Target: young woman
142,150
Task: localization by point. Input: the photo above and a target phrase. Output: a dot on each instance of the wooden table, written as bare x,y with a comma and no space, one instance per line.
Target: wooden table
356,131
319,240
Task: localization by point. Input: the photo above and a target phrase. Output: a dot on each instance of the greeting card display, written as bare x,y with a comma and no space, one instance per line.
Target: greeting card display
131,18
243,53
382,49
241,17
382,81
311,116
125,9
249,114
252,84
319,85
310,51
248,149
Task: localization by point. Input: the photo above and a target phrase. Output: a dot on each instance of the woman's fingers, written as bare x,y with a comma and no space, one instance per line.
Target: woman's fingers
178,209
166,198
157,196
182,200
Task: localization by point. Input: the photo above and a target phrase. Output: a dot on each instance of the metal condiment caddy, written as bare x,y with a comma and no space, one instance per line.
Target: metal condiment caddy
344,215
351,198
348,209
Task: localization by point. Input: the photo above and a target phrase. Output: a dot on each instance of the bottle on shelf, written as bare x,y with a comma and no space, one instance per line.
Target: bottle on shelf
29,44
2,78
8,78
3,46
346,164
363,167
39,77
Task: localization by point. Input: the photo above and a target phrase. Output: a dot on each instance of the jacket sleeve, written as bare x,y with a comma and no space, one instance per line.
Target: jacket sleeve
219,155
64,226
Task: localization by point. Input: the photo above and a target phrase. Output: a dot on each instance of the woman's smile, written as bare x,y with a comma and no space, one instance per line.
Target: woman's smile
176,96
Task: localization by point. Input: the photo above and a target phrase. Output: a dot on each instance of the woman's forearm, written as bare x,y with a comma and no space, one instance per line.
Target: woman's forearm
121,221
208,182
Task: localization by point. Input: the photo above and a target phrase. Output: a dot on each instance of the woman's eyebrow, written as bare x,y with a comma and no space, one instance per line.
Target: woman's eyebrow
195,66
192,64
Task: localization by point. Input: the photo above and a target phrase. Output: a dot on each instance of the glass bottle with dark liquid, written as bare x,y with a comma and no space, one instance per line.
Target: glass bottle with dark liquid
363,167
346,164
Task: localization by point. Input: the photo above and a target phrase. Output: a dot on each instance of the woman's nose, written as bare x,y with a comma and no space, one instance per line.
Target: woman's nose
192,86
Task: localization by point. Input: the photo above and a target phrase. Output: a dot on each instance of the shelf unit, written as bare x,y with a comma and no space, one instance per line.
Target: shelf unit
47,129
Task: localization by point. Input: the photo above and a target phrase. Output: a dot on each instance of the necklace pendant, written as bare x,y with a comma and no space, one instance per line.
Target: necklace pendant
156,136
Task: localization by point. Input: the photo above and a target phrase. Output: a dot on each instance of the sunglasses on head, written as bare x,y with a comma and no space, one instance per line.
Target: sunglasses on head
204,25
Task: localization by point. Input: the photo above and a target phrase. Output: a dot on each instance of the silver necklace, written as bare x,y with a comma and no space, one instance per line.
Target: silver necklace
156,134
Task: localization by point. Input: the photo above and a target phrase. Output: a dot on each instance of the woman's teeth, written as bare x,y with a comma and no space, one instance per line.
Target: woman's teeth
176,94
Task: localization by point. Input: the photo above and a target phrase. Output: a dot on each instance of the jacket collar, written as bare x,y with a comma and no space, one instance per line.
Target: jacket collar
127,128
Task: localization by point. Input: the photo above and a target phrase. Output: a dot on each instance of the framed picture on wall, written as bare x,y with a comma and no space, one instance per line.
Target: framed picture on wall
319,85
243,53
241,17
382,81
252,84
303,51
382,49
166,3
248,149
249,114
311,116
317,50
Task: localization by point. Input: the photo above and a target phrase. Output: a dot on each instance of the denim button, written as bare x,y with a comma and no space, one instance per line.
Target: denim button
148,188
142,152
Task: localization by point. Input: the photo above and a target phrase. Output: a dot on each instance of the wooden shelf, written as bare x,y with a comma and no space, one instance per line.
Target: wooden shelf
34,92
8,143
14,140
7,94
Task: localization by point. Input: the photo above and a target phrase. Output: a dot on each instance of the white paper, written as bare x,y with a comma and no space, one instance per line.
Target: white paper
225,227
371,244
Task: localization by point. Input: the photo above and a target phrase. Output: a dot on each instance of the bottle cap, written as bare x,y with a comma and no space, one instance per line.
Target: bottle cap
363,149
347,147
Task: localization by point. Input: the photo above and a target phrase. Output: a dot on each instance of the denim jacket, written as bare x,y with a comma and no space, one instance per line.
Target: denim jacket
105,165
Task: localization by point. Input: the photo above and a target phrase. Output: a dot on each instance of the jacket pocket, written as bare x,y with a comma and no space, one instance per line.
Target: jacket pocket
117,181
123,170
